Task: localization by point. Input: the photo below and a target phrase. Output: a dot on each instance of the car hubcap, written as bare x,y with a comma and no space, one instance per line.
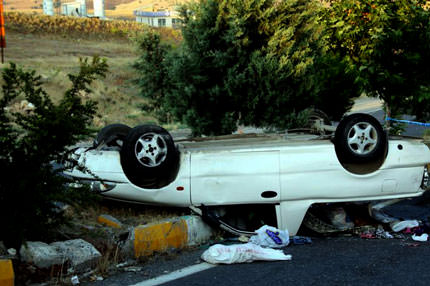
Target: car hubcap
362,138
151,150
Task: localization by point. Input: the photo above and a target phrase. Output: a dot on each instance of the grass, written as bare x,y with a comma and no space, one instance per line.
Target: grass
54,57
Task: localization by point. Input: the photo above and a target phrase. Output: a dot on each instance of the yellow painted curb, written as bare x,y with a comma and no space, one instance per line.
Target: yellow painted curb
160,237
7,277
109,222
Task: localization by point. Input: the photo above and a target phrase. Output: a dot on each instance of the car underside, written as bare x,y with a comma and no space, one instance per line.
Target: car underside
241,182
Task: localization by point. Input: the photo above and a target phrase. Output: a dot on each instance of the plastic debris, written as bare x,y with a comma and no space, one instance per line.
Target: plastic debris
401,225
381,233
240,253
243,238
423,237
74,280
11,251
133,269
300,240
268,236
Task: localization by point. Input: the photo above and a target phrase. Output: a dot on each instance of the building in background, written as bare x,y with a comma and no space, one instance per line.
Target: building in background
48,7
99,9
76,8
158,18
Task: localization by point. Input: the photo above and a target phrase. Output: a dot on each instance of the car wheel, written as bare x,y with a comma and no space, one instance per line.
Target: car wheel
360,138
112,135
149,157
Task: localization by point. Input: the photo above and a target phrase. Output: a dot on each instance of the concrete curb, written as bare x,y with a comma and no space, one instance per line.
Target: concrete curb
174,233
109,221
7,276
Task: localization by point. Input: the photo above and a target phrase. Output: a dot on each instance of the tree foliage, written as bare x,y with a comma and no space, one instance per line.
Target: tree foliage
388,44
254,62
31,140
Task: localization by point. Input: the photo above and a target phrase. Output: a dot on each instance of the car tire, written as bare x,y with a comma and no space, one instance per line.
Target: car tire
360,138
149,157
112,135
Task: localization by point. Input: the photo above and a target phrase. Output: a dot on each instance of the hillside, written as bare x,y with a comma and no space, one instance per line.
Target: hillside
54,57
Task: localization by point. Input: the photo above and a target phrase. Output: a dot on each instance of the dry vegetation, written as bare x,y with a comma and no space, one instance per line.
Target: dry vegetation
114,8
54,56
80,27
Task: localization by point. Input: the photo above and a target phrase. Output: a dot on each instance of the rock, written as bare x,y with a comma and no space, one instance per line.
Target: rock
127,246
40,254
80,253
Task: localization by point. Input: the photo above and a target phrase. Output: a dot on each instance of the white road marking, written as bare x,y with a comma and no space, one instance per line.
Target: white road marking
176,274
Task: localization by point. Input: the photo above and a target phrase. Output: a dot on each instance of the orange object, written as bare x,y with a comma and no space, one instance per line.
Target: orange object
2,30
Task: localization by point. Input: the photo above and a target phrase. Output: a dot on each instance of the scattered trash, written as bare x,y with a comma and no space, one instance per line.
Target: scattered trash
367,235
401,225
74,280
300,240
243,238
364,229
381,233
398,235
423,237
133,269
94,278
268,236
376,212
11,251
126,263
239,253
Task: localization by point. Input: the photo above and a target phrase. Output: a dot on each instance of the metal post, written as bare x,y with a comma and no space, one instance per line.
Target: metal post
2,32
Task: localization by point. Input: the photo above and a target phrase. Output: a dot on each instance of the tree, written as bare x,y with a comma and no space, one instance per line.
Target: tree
31,140
388,44
254,62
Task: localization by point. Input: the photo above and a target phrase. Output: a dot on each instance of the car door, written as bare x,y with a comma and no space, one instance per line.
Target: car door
235,177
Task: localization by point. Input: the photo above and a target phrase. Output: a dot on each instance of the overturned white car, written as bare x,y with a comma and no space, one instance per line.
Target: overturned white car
243,182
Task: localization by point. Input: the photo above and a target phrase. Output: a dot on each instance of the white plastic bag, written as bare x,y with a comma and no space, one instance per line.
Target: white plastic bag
401,225
269,236
239,253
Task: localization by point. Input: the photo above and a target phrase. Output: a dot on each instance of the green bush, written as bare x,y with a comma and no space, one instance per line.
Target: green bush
253,62
388,44
31,140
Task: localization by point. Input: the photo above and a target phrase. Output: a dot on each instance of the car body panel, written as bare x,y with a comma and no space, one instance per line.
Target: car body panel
245,174
314,172
109,170
298,171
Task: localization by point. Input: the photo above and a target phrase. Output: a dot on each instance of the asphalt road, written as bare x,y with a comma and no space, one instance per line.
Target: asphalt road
333,260
327,261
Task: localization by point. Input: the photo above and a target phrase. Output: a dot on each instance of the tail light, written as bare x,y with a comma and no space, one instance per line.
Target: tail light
425,184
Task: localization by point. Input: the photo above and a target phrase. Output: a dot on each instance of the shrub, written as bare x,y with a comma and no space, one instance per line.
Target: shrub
388,44
31,140
254,62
